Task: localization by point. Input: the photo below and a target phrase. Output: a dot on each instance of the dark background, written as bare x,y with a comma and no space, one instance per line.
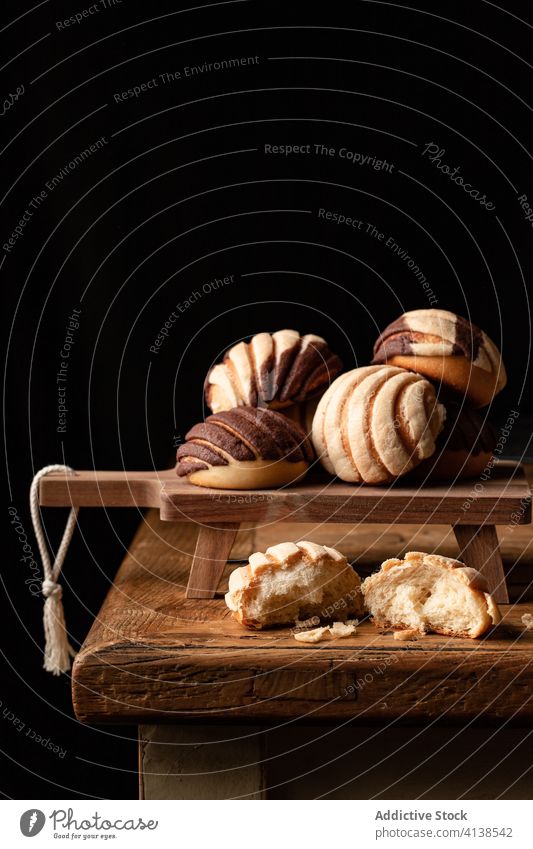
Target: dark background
182,193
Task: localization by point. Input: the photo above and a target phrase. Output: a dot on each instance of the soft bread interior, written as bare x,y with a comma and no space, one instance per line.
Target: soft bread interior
427,598
282,595
301,592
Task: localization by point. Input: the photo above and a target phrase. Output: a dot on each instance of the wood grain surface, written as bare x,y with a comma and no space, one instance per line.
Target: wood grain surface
213,548
153,655
505,497
478,547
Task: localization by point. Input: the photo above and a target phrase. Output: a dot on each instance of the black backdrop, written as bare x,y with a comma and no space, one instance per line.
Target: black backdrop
177,193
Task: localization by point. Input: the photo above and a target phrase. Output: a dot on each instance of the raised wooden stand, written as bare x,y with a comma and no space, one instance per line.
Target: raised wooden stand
471,508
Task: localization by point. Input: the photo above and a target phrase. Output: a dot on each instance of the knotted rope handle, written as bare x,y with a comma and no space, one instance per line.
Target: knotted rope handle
57,649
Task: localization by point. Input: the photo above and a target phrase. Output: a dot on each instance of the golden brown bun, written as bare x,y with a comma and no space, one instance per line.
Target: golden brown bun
464,447
292,582
272,370
430,593
376,423
447,349
244,448
455,372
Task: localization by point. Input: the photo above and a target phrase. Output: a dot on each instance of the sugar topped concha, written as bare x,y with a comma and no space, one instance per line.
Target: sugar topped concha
291,582
272,370
446,348
376,423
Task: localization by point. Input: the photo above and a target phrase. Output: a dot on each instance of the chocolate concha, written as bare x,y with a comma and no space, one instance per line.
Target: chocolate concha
271,370
376,423
447,349
245,448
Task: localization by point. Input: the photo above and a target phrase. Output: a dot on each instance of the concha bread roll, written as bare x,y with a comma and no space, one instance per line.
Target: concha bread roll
376,423
272,370
244,448
303,414
430,593
464,447
291,582
447,349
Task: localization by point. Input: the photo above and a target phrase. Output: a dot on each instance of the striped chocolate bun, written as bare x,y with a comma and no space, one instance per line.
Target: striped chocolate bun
446,349
464,447
376,423
245,448
272,371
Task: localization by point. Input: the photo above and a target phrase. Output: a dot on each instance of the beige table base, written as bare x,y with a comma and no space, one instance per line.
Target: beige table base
248,762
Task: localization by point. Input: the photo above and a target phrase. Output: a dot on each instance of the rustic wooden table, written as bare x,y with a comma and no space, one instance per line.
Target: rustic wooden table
188,675
155,655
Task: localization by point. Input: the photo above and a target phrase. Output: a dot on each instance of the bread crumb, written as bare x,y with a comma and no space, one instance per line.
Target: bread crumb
527,621
336,631
407,634
313,636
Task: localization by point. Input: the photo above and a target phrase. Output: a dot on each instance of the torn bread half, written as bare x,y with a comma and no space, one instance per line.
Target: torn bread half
430,593
291,582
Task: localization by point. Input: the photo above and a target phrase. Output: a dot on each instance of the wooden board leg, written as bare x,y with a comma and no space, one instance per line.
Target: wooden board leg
213,548
478,547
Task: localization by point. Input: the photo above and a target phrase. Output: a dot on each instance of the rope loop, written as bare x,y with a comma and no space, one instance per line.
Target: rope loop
57,648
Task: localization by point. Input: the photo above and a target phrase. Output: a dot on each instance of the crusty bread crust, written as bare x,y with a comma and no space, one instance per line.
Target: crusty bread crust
294,581
474,581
